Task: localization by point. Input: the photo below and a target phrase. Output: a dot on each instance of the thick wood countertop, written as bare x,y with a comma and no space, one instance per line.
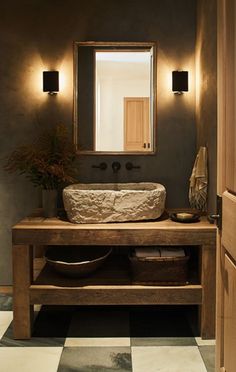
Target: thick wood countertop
40,230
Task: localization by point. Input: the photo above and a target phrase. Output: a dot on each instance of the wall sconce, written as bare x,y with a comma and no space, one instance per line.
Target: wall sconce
51,82
179,82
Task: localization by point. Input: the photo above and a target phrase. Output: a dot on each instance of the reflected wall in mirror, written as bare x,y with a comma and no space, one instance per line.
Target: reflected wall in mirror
115,97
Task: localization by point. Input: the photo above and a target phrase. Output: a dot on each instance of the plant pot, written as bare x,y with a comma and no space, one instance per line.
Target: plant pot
49,201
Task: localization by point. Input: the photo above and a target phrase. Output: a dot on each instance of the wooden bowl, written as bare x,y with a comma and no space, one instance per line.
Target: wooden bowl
76,261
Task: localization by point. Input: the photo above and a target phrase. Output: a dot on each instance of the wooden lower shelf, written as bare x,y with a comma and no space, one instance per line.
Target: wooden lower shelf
111,285
116,295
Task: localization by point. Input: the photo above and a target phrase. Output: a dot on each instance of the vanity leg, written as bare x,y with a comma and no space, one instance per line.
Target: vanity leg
22,258
208,281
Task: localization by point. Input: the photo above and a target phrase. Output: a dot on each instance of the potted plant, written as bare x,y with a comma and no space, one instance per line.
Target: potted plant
47,162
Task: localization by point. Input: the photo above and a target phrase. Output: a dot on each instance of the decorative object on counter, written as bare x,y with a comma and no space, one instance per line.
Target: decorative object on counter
199,181
47,162
76,261
185,217
130,166
160,266
114,202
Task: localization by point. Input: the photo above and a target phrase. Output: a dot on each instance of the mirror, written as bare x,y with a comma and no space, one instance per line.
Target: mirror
115,97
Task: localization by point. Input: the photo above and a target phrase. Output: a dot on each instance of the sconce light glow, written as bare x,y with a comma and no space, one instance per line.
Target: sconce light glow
62,81
179,82
51,82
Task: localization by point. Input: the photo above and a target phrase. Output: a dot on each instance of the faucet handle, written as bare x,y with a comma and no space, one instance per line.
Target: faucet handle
130,166
101,166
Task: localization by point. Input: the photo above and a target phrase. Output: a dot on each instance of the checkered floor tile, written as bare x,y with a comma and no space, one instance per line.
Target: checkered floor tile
98,339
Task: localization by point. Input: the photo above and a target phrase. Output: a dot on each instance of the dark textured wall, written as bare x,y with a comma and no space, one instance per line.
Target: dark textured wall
206,97
37,35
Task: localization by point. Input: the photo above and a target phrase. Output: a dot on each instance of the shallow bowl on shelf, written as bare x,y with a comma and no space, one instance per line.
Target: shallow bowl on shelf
76,261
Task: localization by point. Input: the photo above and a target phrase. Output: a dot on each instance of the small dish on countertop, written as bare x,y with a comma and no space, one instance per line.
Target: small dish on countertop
185,217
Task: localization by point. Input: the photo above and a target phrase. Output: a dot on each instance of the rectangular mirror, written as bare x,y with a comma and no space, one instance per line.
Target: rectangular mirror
115,97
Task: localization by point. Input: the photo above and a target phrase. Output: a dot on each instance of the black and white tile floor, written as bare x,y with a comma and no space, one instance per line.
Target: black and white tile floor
98,339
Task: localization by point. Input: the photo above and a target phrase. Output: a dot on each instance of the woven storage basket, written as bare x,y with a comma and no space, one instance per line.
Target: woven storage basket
159,270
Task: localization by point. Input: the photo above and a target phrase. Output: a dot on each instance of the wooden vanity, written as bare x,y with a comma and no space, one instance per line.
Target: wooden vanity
112,287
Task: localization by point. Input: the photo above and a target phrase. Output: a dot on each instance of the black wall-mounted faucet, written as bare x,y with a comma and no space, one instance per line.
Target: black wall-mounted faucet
116,166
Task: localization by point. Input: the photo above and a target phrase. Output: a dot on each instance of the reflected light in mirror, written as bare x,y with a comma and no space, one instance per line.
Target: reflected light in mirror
123,92
134,57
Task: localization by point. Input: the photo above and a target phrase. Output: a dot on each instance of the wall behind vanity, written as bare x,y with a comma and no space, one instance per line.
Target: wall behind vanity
37,35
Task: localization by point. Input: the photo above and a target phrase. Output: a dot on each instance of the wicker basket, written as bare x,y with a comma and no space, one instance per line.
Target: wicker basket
159,270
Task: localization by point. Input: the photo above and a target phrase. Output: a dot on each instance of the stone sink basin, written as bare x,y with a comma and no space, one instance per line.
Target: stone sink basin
114,202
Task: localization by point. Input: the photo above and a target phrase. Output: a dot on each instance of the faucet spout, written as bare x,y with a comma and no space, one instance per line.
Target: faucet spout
115,166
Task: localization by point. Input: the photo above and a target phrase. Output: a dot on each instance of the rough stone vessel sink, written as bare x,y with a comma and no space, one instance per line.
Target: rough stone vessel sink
108,202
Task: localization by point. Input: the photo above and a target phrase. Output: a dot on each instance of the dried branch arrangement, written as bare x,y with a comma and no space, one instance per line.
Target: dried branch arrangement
48,161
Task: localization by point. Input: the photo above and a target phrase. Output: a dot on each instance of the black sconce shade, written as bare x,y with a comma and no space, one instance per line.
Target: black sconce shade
51,81
179,81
